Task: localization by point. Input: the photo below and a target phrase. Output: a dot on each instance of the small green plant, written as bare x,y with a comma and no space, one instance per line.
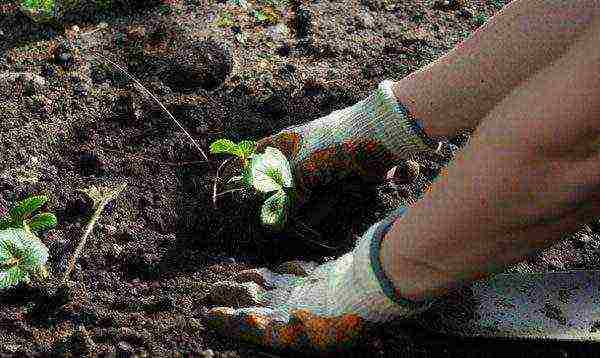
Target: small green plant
243,150
46,6
20,216
269,173
22,254
41,11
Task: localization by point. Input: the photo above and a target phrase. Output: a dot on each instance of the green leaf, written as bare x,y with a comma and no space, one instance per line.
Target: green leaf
21,253
273,213
271,171
260,15
41,222
246,148
224,146
5,223
44,5
26,207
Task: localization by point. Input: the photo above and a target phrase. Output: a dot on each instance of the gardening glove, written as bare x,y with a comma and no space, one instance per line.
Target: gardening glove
365,139
313,308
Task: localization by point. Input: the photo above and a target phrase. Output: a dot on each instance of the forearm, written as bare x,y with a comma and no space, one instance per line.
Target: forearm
460,88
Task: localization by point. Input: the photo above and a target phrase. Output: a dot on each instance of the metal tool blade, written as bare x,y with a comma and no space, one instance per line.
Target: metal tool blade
547,306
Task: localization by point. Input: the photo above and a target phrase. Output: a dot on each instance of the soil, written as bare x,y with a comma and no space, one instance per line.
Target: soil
141,286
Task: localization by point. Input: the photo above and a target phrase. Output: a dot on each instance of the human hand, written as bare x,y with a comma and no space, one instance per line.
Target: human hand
266,319
312,308
336,163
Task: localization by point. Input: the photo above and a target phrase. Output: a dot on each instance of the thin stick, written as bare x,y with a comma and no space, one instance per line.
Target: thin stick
229,191
88,230
216,180
100,56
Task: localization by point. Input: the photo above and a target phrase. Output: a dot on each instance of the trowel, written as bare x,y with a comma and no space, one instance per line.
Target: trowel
562,306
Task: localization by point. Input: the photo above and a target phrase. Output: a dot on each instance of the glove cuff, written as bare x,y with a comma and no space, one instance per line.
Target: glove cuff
398,116
387,286
386,302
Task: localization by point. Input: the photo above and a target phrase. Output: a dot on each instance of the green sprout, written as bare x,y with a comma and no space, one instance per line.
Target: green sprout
268,173
39,10
271,173
243,150
22,254
46,6
20,216
100,196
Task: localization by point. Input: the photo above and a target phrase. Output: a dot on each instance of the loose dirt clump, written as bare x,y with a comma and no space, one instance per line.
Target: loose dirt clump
71,120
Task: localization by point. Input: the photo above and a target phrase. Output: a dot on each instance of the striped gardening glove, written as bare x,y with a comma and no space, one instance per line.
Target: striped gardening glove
312,308
366,139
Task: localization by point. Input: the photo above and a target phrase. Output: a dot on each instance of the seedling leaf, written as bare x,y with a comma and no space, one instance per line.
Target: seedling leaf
271,171
246,148
5,223
260,15
44,5
21,253
41,222
224,146
273,213
24,208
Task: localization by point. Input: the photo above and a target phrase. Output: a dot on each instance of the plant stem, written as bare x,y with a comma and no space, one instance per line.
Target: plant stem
100,201
216,180
229,191
314,232
88,230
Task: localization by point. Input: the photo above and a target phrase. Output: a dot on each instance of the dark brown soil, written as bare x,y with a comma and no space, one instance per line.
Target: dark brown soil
140,288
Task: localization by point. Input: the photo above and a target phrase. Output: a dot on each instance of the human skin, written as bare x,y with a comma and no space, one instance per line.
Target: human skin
459,89
530,173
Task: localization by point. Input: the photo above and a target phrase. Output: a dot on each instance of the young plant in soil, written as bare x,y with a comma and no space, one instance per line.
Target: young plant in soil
39,10
22,254
268,173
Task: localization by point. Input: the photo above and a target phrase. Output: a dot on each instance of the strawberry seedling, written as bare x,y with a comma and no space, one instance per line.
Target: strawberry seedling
22,254
20,215
268,173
